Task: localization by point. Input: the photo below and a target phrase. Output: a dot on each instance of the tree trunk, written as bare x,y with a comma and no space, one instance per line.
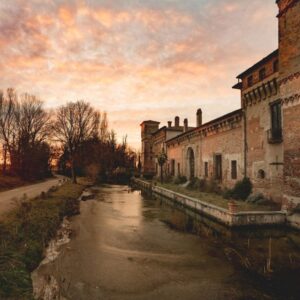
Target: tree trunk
161,174
74,179
4,161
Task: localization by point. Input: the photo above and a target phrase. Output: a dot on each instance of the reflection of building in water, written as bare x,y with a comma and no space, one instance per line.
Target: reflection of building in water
261,140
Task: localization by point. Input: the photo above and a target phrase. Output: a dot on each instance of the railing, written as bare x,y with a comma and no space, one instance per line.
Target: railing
275,136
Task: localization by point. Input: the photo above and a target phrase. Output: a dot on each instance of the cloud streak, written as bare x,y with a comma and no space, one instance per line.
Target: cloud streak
135,59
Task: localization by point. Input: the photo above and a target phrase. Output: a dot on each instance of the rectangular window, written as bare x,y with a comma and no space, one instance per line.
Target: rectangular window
250,81
218,167
276,127
233,169
206,169
172,167
275,66
262,73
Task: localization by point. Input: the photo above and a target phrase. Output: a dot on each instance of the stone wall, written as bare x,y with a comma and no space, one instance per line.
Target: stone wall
289,80
222,215
222,137
264,158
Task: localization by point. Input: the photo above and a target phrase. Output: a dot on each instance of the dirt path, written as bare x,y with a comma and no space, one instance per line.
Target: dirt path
8,198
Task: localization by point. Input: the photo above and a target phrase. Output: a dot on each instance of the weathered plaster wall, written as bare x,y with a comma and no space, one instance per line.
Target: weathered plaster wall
289,78
261,154
228,142
230,145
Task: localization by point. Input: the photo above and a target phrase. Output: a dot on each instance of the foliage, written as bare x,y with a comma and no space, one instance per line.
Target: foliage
193,183
76,122
24,128
180,179
24,234
255,197
162,158
203,185
106,160
241,190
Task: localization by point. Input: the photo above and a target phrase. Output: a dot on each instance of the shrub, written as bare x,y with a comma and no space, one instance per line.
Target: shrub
168,179
255,198
193,183
212,187
202,185
227,193
242,189
180,180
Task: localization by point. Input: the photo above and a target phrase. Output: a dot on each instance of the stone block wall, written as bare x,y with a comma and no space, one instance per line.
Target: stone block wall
289,81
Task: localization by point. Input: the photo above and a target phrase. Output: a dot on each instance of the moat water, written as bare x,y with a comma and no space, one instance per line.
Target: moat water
126,245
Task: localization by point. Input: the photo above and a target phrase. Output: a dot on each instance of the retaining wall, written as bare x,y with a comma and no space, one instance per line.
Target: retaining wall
238,219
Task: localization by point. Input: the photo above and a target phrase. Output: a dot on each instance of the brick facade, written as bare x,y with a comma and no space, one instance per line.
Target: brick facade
289,81
262,139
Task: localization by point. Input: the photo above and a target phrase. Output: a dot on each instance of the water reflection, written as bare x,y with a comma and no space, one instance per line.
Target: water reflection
270,256
128,246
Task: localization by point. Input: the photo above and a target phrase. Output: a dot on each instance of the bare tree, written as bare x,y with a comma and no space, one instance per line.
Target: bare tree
24,124
104,134
32,128
76,122
7,121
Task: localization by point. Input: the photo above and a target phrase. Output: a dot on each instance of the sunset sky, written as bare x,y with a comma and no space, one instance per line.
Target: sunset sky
135,59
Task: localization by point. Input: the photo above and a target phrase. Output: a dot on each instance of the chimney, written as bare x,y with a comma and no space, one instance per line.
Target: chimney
199,117
185,128
177,121
169,124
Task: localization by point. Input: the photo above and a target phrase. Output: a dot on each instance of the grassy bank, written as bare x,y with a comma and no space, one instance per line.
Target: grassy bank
10,182
216,199
24,234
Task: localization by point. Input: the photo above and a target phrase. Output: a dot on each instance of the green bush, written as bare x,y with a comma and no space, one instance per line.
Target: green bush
212,187
202,185
193,183
180,180
168,179
241,190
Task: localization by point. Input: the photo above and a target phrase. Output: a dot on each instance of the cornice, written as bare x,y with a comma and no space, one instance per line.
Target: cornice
289,78
286,7
291,99
212,129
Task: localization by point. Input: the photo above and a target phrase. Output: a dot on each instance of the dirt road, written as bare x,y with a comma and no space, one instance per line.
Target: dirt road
8,198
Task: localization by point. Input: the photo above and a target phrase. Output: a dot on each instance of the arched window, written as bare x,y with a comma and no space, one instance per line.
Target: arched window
261,174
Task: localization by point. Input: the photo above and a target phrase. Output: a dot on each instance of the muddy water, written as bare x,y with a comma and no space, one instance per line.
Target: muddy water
129,246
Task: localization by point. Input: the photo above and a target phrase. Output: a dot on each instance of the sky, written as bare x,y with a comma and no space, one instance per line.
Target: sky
136,59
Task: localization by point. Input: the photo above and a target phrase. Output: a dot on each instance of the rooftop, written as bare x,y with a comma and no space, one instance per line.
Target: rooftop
214,121
258,64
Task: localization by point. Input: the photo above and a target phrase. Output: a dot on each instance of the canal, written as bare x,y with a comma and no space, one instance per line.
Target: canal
126,245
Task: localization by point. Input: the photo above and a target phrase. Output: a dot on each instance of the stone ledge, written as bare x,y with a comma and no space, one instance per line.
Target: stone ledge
222,215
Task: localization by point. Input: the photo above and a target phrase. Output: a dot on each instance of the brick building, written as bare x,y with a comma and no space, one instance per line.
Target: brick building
261,140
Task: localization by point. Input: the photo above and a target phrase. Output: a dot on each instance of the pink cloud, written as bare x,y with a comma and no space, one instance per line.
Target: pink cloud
150,60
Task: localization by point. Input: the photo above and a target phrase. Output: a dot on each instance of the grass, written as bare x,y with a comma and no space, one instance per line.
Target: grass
10,182
25,232
216,199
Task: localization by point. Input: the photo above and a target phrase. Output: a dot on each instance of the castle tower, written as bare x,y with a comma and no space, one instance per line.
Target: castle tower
289,89
147,155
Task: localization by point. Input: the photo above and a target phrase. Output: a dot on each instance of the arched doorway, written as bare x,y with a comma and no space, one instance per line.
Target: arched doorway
191,163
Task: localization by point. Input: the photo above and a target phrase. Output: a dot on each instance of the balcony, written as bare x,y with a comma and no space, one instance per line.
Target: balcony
275,136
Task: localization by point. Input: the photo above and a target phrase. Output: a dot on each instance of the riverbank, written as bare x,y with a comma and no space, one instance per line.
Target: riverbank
128,246
25,232
229,216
